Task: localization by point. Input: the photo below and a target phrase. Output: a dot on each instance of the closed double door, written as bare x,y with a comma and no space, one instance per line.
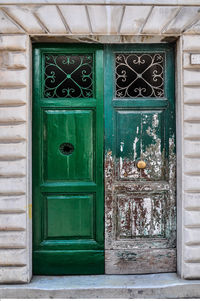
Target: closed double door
103,137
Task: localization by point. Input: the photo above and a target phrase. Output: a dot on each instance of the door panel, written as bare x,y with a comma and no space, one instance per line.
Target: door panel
140,184
68,204
140,135
70,217
141,215
75,126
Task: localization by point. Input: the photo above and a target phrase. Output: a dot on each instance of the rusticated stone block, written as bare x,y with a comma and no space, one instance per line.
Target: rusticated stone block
13,96
12,239
13,78
13,42
12,257
13,203
12,221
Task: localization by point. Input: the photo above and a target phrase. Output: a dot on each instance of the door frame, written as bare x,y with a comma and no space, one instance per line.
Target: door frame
179,141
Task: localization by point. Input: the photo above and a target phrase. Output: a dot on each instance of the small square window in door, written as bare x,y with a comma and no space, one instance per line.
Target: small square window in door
68,76
139,75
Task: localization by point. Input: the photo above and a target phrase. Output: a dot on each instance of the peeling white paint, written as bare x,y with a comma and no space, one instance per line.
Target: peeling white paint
155,121
121,146
151,132
135,148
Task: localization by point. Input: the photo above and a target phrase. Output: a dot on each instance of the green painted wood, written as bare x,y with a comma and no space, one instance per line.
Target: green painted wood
134,135
69,217
48,262
111,102
68,203
76,127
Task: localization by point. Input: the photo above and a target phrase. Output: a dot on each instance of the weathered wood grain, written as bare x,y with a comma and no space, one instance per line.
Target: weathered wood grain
140,261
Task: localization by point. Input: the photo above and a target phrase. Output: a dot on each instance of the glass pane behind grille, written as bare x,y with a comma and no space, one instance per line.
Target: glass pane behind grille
139,75
68,76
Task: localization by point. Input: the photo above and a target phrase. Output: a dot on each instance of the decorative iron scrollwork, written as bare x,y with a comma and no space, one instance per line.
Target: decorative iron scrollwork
139,75
68,76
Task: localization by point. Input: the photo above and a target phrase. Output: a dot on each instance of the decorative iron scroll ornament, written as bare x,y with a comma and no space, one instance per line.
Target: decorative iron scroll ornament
139,75
68,76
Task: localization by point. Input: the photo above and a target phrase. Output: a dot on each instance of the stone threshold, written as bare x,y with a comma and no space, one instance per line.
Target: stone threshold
166,285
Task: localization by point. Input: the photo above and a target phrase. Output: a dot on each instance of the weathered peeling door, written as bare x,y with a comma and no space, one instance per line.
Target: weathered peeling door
140,159
68,200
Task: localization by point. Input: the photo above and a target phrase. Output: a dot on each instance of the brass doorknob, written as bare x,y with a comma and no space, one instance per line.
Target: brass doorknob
141,164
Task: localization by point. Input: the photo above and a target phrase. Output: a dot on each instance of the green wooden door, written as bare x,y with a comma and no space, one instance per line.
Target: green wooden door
68,201
140,203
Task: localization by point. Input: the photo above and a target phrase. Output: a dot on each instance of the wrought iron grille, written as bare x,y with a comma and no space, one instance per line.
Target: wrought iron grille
139,75
68,76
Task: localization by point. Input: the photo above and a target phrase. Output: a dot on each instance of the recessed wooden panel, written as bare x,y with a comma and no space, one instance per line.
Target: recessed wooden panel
141,215
140,137
140,261
70,216
73,127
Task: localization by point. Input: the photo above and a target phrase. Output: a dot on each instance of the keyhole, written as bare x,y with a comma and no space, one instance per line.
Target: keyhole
66,148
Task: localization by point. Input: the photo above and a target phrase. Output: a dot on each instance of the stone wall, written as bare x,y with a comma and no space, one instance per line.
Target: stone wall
15,158
15,229
191,160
